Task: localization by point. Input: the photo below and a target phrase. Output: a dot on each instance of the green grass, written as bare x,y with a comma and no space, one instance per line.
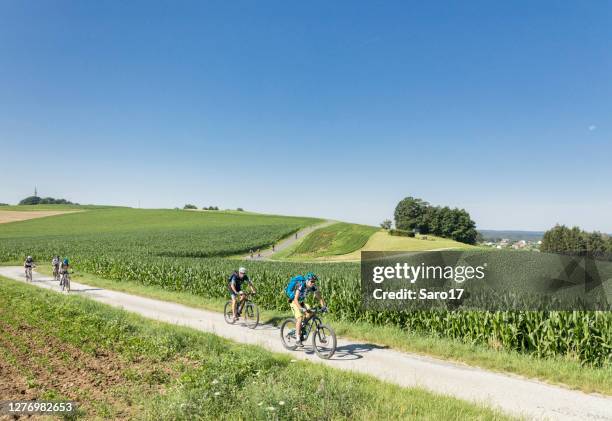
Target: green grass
562,371
171,372
335,239
148,232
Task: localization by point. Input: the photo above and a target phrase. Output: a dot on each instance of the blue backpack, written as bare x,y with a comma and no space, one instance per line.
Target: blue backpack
293,284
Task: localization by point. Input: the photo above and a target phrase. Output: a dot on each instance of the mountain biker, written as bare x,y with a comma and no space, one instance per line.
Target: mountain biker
298,289
55,263
234,285
28,264
64,268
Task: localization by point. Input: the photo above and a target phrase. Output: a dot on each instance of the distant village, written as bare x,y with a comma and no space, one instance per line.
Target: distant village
505,243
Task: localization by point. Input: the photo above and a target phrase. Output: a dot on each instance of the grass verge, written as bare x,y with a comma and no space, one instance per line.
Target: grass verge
120,365
335,239
560,371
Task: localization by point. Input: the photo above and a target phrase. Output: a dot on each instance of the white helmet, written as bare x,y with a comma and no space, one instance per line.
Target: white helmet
242,270
29,257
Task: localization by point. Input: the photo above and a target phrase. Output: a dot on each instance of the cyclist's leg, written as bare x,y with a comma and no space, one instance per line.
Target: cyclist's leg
234,303
297,313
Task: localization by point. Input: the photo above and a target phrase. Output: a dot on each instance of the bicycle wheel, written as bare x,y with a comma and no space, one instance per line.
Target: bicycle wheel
67,283
324,342
251,315
288,334
63,282
228,314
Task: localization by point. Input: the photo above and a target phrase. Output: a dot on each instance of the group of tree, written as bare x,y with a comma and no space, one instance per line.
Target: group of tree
190,206
210,208
35,200
412,214
574,241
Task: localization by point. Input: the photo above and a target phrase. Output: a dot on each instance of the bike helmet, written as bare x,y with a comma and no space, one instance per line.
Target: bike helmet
242,270
311,277
66,261
29,258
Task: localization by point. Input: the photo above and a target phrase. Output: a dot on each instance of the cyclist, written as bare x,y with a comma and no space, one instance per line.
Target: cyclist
28,265
56,264
64,268
298,289
234,285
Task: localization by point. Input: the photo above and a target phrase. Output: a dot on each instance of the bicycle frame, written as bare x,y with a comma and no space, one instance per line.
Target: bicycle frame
308,325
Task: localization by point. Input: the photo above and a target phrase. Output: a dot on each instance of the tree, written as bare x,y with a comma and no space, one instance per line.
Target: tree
408,213
386,224
415,214
190,206
30,200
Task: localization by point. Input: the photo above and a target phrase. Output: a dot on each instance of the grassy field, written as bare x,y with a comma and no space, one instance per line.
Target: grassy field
336,239
118,365
566,371
382,241
174,233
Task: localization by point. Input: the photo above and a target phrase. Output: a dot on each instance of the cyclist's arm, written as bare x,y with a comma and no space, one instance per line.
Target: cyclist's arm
233,286
319,297
252,287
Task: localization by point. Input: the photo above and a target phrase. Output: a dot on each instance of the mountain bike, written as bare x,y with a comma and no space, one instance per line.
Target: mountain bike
247,309
323,336
28,273
65,281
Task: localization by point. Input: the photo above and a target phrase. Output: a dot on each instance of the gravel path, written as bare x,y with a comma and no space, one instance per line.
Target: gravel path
283,244
512,394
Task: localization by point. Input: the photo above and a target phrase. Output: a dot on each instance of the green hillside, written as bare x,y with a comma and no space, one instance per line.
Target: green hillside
126,231
335,239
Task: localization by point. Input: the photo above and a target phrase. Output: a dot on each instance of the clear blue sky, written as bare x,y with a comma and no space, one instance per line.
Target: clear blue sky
334,109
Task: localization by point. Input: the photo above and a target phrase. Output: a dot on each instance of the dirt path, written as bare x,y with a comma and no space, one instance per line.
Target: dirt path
14,216
283,244
512,394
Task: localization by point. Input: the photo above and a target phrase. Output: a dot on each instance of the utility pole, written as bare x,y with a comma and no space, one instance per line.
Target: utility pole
35,192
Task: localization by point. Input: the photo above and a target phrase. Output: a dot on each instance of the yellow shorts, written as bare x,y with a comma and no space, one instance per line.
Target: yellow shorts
297,313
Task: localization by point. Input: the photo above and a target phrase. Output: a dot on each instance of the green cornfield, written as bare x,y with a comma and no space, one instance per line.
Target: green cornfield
179,259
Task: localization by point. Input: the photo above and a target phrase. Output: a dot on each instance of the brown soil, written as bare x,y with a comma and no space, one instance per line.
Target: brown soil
32,362
14,216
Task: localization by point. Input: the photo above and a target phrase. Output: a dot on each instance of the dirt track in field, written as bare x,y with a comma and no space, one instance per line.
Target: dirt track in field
14,216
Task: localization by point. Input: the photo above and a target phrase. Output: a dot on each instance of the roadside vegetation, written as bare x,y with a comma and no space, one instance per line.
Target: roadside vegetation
563,370
167,250
118,365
